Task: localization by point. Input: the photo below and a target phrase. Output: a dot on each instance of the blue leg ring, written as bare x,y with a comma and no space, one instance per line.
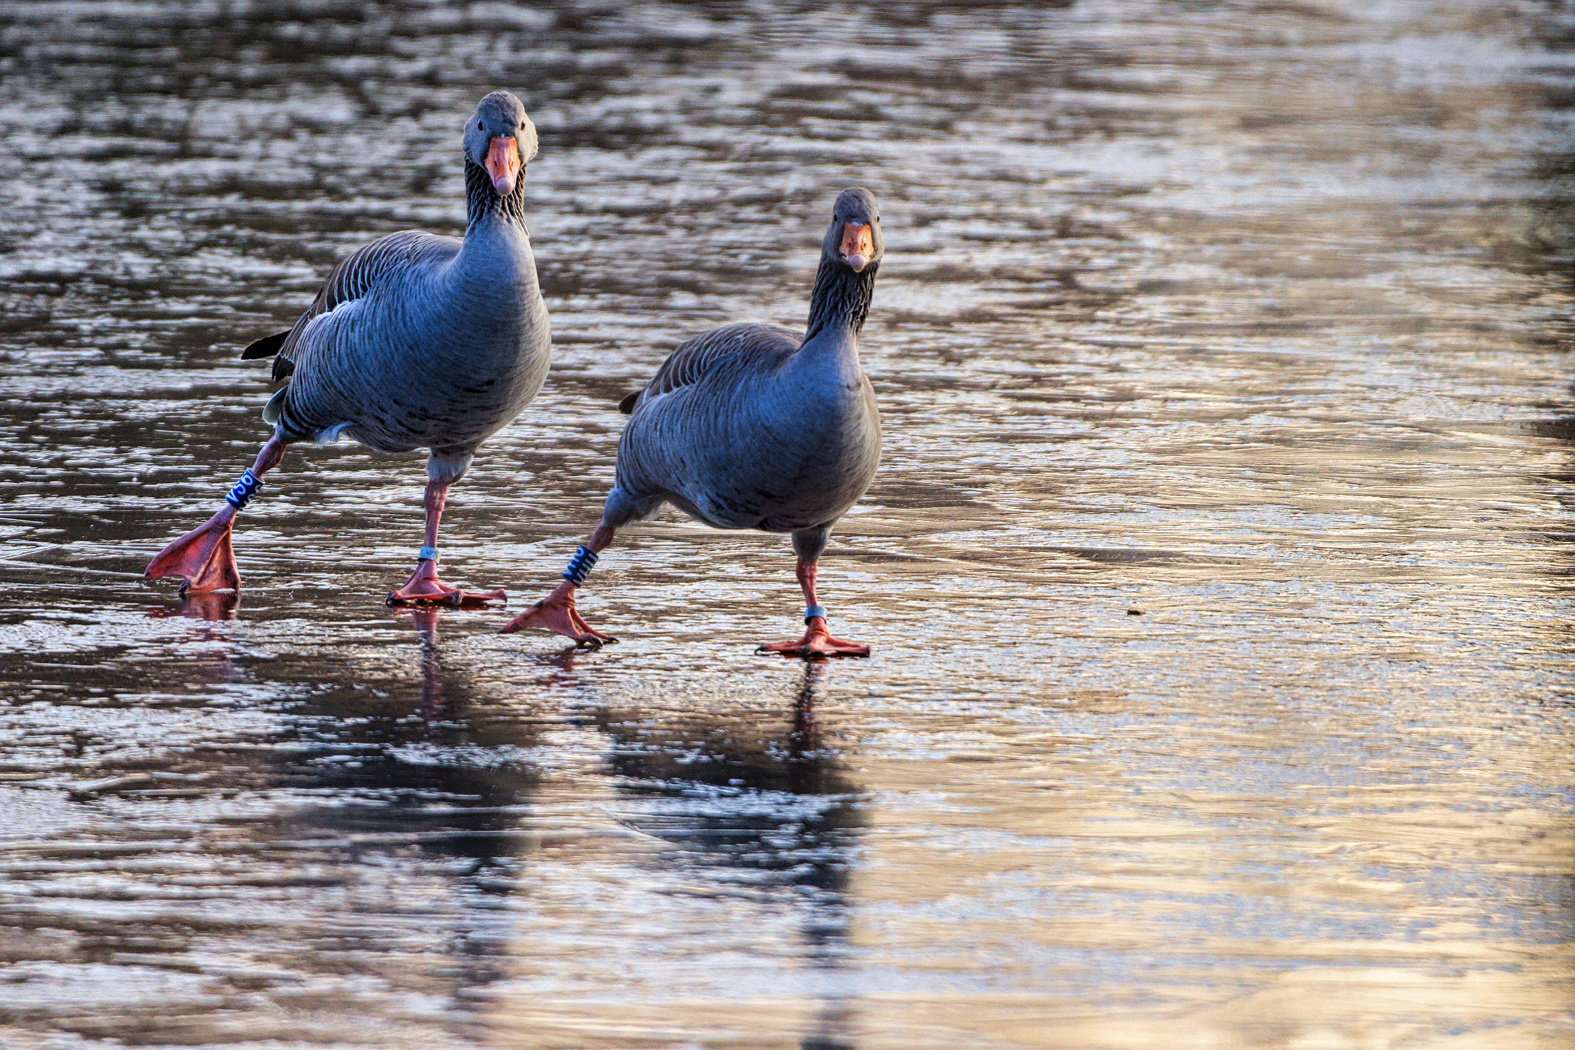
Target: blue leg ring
580,565
243,491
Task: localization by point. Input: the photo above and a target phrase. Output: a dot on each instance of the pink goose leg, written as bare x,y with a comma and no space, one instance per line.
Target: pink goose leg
817,641
204,557
424,585
556,612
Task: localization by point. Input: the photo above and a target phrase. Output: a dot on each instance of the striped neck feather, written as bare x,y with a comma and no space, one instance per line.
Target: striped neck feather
482,202
841,299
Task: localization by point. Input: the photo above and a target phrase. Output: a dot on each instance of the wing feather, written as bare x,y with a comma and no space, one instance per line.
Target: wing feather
353,278
732,346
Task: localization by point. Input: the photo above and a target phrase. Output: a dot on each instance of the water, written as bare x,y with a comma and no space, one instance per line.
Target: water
1252,317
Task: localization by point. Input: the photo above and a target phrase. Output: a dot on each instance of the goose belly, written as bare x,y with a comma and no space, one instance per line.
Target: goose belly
774,474
456,408
771,506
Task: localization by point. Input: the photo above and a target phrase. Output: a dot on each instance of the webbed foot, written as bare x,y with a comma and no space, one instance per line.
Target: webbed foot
556,612
203,558
817,642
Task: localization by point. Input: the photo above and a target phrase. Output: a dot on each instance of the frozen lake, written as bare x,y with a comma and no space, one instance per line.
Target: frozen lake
1252,317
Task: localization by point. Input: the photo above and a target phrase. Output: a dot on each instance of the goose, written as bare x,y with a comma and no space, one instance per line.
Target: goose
752,426
416,341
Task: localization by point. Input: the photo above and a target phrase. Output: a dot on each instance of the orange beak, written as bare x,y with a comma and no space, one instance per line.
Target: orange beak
503,164
858,244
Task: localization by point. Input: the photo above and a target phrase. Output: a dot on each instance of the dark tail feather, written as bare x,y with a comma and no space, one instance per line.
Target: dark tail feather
626,406
267,346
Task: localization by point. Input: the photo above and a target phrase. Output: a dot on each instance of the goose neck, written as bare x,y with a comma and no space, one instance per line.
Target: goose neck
841,300
484,209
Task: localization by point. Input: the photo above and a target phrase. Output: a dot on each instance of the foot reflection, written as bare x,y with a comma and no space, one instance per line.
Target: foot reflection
221,605
425,619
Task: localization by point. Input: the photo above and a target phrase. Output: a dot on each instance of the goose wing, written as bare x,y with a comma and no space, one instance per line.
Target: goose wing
733,347
353,278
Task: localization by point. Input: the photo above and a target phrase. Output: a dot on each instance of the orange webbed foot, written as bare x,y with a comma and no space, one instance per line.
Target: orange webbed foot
425,587
556,612
817,642
203,558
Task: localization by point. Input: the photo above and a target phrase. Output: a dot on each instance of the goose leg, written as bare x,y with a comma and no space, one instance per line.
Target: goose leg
424,585
203,557
817,641
556,612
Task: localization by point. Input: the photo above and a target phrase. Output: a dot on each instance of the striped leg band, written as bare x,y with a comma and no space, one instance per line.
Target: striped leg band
580,565
814,611
243,491
427,554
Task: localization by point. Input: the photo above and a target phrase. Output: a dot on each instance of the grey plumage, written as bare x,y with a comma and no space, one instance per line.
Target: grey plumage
421,341
752,426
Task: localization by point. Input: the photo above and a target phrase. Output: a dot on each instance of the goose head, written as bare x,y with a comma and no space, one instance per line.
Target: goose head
854,239
501,140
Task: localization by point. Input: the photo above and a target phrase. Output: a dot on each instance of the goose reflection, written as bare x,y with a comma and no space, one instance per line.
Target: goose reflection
1542,249
760,806
422,779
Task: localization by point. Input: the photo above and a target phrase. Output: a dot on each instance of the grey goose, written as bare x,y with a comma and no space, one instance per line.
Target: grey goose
752,426
416,341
